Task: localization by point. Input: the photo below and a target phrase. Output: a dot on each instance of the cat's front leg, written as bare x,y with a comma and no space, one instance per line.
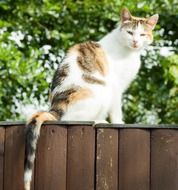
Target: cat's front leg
116,112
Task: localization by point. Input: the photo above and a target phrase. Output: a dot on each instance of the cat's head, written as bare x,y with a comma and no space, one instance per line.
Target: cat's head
136,32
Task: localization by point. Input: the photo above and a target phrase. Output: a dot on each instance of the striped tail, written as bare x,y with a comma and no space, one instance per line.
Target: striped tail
32,134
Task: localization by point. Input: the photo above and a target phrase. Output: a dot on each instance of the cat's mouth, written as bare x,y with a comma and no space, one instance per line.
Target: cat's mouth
135,46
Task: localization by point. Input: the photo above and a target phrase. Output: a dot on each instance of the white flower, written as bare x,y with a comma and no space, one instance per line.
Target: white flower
2,30
166,51
140,4
46,49
17,37
152,117
52,57
176,42
3,45
29,38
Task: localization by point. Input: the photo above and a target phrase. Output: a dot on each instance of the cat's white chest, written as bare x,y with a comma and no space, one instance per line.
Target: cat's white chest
123,71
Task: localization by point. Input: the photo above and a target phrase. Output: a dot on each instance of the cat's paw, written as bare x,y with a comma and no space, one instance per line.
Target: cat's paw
100,122
117,122
27,185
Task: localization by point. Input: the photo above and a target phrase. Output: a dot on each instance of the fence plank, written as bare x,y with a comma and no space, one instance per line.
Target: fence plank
134,162
14,158
107,159
164,160
50,169
81,158
2,133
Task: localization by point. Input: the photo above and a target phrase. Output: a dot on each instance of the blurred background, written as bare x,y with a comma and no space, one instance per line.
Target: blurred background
34,34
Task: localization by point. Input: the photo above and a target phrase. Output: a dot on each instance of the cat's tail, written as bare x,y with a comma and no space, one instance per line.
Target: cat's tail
32,134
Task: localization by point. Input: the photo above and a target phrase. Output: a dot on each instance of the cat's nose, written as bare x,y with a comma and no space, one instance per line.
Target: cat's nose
135,42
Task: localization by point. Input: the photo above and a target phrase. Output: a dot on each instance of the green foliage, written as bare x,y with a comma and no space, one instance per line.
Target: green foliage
35,34
153,96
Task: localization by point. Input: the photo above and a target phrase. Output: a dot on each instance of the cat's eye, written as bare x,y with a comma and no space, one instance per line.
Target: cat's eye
142,34
129,32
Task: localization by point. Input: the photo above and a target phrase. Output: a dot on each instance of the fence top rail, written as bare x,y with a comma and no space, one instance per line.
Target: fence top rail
92,123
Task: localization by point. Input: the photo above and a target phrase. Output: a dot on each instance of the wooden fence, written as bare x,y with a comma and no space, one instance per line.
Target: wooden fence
78,156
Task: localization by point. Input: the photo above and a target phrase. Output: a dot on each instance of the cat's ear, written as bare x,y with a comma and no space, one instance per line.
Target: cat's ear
151,22
125,15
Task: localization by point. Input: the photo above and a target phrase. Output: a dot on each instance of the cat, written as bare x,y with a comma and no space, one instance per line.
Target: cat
90,81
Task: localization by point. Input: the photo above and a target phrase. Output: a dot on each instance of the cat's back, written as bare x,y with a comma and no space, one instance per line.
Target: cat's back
85,64
91,57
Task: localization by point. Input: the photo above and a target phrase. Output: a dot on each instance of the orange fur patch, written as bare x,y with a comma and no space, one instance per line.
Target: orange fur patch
66,98
150,34
140,19
45,116
91,57
72,49
42,116
80,94
101,62
93,80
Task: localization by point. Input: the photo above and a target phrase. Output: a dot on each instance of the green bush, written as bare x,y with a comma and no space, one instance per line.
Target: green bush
34,36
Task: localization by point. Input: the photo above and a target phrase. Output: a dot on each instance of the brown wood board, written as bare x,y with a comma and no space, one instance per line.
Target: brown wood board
134,159
14,158
2,141
164,160
107,159
50,169
81,158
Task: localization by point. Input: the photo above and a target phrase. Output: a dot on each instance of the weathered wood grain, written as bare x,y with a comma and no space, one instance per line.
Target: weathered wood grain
14,158
81,158
107,159
134,159
164,160
50,170
2,139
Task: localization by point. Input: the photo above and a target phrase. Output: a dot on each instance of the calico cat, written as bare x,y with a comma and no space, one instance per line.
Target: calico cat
90,81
